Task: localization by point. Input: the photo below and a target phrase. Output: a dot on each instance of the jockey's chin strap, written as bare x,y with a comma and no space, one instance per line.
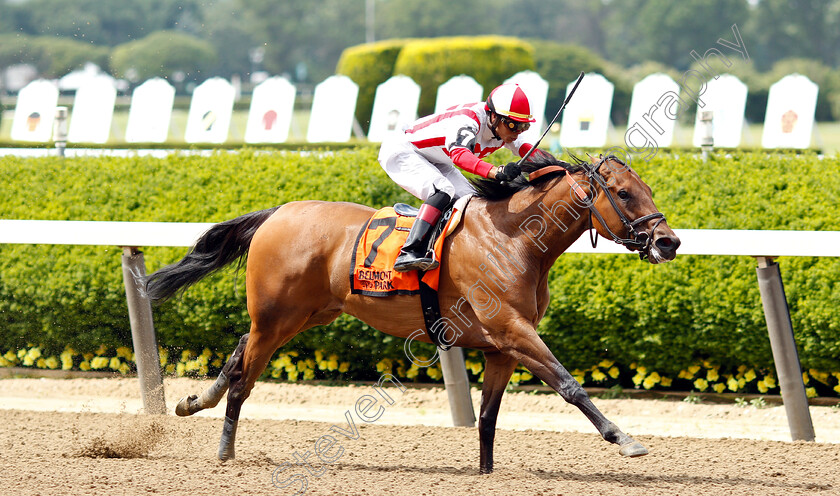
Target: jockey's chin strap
494,125
639,240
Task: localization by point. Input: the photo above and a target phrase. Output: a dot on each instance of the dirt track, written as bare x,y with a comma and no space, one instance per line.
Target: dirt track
51,452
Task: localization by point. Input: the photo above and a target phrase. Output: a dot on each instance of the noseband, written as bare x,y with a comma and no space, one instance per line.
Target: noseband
638,240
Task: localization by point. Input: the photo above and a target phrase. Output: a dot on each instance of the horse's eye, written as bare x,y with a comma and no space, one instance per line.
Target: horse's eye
623,194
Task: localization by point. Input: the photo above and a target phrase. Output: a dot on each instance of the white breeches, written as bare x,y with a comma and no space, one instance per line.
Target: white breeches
406,167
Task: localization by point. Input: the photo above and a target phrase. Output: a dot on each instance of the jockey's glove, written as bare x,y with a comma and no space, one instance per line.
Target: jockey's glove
508,172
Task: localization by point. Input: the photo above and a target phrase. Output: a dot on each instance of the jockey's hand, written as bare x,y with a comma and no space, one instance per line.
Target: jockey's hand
508,172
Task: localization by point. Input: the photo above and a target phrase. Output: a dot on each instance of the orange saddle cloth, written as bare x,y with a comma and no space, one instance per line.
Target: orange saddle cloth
377,248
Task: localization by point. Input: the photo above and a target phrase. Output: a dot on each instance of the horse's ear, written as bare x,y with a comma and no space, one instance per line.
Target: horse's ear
592,159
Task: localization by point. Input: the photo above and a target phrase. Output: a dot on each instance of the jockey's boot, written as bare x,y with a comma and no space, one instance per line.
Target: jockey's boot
415,253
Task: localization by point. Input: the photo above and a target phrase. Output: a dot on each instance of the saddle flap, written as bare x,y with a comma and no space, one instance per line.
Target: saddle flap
378,245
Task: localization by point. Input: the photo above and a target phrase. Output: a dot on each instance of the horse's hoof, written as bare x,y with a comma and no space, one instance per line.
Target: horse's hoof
227,443
183,407
633,449
225,455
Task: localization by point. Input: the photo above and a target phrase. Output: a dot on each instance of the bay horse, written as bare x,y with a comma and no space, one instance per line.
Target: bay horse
297,265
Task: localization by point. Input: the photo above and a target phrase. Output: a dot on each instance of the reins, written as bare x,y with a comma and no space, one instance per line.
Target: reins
640,240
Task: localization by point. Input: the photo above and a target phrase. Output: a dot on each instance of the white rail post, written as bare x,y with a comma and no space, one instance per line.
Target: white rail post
785,355
457,387
143,331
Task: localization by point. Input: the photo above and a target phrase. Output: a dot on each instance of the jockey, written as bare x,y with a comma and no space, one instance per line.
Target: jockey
422,160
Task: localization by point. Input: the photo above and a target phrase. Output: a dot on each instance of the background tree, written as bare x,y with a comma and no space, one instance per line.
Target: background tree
795,28
11,16
162,54
304,35
314,33
52,57
233,38
487,59
435,18
578,22
107,22
667,31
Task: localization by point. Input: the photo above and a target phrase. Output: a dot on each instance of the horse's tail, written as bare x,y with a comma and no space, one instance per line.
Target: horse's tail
221,245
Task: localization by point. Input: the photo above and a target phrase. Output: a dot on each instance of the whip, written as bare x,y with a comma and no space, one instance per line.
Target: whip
568,97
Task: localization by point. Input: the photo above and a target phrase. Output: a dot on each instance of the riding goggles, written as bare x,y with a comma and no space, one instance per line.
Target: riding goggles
515,126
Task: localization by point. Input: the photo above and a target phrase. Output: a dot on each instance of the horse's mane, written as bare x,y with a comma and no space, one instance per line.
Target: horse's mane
491,189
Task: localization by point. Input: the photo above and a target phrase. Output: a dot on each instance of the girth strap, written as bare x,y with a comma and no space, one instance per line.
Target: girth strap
431,315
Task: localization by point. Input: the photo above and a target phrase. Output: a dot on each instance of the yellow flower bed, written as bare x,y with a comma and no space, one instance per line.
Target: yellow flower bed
290,366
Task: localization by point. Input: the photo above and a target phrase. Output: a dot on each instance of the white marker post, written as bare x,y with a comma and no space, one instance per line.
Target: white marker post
707,119
60,130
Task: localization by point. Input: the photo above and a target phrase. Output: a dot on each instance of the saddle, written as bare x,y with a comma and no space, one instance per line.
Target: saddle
377,247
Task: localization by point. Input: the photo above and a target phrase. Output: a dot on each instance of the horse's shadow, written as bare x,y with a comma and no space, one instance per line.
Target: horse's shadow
363,467
642,480
618,478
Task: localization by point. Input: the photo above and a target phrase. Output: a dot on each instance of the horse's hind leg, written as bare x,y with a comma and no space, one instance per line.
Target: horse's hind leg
211,396
497,371
259,348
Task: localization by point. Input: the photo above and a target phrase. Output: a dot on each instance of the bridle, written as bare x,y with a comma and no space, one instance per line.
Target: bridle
639,240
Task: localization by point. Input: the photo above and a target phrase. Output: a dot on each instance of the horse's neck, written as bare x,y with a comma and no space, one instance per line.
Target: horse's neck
542,221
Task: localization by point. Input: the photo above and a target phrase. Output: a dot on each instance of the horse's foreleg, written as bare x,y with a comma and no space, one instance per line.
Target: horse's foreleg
530,350
211,396
497,371
571,391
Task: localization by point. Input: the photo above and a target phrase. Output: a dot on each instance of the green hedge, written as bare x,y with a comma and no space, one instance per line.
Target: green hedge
604,308
487,59
706,308
431,62
69,295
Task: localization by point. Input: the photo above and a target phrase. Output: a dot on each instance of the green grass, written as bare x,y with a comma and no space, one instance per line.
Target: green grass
826,136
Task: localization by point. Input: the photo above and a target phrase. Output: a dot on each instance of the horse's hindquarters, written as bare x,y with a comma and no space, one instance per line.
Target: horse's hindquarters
298,263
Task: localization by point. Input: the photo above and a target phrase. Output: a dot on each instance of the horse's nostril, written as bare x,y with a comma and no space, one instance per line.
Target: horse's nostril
667,243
